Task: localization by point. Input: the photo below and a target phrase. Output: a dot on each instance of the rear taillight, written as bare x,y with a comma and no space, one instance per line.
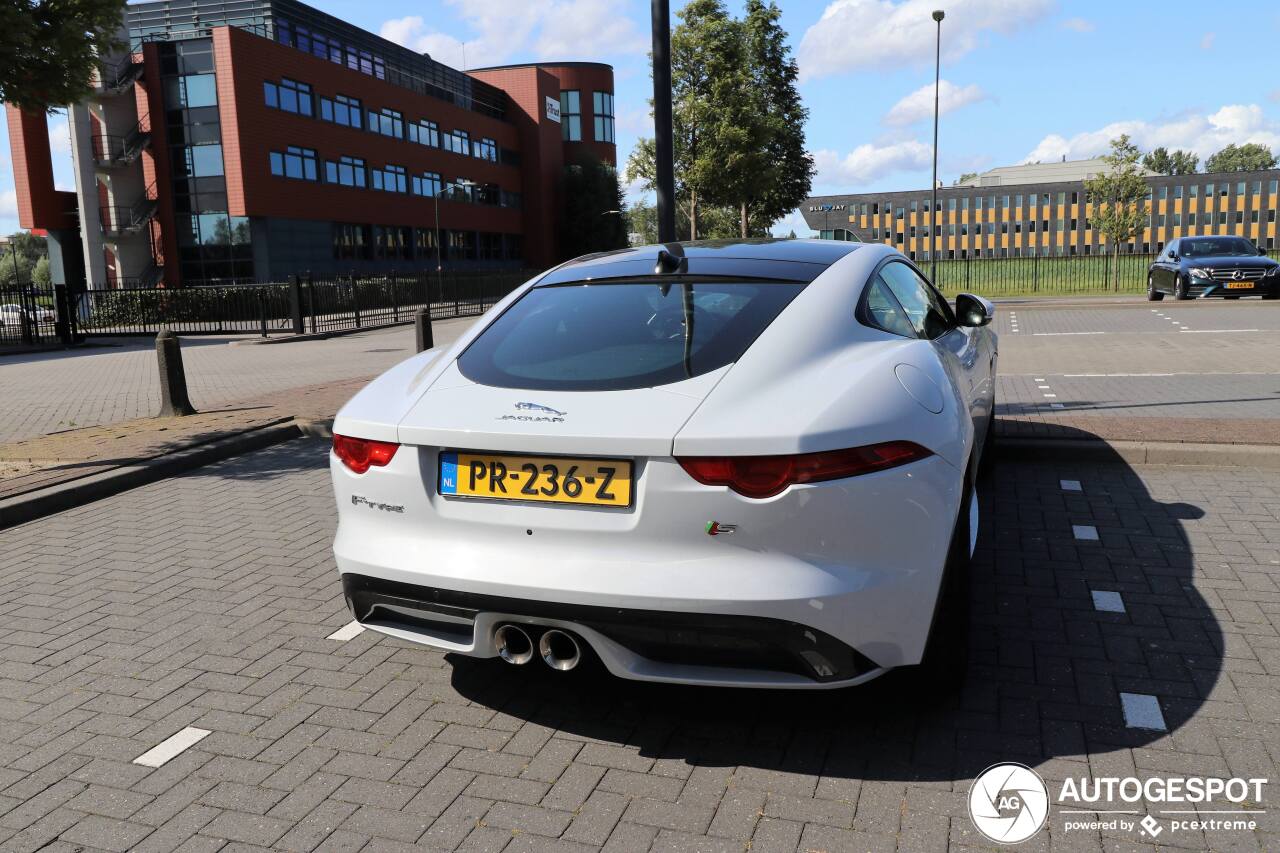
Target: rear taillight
361,454
766,476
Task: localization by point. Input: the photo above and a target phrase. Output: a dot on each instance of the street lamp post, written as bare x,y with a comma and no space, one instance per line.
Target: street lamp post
663,145
938,15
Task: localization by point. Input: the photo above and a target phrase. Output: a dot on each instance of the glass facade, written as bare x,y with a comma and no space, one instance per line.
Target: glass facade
213,246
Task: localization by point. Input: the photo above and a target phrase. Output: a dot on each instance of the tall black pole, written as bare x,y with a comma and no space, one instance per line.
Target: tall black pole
663,151
938,15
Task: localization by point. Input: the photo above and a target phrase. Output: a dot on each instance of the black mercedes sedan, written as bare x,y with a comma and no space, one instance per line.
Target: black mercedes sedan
1229,267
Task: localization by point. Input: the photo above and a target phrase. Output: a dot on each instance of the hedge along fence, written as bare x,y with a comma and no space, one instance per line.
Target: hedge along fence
317,305
1061,275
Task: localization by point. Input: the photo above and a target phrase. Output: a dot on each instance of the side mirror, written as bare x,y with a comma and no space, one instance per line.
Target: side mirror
1173,256
1262,251
974,310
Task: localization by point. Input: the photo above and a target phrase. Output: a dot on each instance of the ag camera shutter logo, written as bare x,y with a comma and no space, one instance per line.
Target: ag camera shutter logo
1008,803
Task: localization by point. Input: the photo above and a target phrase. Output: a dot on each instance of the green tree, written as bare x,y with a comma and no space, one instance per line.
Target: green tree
1119,198
40,273
19,257
594,215
642,223
1164,162
1250,157
779,171
50,48
967,176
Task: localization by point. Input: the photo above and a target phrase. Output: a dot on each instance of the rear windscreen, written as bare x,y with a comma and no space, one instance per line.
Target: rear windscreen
619,335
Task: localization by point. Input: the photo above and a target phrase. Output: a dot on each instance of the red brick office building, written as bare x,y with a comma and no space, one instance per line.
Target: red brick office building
254,139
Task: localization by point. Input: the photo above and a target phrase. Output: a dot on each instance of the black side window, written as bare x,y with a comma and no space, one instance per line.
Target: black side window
883,310
928,312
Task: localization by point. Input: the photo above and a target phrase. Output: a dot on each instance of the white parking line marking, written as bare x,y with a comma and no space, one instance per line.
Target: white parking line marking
1039,378
1051,395
1057,334
347,632
1218,331
1043,387
1070,485
1107,601
171,746
1085,532
1142,711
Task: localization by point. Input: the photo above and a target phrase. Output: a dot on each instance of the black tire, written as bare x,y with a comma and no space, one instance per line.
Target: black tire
1182,290
1153,295
946,653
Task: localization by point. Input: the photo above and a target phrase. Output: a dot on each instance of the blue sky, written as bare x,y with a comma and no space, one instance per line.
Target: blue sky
1023,79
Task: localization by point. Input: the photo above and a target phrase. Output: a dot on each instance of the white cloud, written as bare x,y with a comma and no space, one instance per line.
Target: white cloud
548,29
1079,25
1206,42
857,34
8,204
919,104
793,221
1203,134
59,135
868,163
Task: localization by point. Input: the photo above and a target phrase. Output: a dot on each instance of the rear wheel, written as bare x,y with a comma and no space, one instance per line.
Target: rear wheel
946,654
1182,289
1153,295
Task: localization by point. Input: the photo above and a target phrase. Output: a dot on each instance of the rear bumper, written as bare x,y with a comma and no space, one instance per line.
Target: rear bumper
856,564
698,648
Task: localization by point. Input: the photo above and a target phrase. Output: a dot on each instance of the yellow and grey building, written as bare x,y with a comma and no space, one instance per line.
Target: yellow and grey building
1042,209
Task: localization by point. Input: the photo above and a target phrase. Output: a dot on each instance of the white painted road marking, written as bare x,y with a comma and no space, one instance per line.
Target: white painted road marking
1142,711
1059,334
347,632
1070,485
1107,601
1086,532
171,746
1218,331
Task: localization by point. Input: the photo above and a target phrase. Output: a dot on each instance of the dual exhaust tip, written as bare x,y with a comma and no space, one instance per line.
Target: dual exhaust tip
559,649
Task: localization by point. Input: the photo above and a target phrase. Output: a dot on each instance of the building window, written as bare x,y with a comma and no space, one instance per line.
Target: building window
346,171
459,142
571,116
200,161
288,95
393,243
342,110
191,91
427,184
388,122
390,179
295,162
485,149
602,106
350,242
425,245
425,133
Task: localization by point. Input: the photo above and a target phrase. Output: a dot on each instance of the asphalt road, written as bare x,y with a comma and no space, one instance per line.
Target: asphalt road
1123,623
1203,359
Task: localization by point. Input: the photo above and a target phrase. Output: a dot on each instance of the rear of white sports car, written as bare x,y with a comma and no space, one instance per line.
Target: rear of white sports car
697,476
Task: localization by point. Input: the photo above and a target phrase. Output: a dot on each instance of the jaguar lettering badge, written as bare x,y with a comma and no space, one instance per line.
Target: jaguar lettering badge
545,414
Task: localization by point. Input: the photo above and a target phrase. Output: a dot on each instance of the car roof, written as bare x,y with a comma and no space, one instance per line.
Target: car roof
785,259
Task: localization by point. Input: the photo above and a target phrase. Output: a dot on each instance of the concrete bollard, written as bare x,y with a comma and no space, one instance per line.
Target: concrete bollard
422,329
174,401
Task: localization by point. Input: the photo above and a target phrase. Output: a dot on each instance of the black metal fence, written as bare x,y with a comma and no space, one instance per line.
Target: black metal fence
28,315
301,305
1051,275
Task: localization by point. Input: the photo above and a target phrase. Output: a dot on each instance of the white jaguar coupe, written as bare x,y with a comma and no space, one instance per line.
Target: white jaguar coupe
745,464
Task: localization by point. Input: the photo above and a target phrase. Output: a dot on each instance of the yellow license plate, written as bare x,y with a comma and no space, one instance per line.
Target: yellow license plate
1240,285
549,479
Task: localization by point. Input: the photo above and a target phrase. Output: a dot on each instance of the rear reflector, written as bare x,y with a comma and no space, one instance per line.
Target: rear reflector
766,476
361,454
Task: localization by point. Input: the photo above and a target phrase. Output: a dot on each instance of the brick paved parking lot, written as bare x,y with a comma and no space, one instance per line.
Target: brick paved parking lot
205,601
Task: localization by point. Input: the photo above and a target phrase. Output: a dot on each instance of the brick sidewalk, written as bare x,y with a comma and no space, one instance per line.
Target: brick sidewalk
41,462
205,601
